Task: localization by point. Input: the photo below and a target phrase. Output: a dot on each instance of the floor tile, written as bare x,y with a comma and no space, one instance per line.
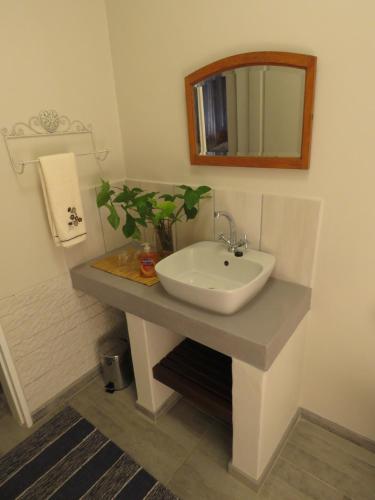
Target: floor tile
304,482
159,452
11,433
126,397
190,451
97,417
311,432
185,423
276,488
217,443
337,462
201,478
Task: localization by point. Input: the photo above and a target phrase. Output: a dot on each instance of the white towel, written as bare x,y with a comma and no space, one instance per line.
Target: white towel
58,174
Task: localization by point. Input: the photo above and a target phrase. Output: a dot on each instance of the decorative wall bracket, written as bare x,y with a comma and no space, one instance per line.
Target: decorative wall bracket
48,123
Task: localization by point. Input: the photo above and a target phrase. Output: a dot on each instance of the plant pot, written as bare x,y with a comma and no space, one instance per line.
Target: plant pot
164,237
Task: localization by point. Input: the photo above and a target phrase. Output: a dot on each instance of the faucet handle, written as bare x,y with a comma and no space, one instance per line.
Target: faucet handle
221,237
243,242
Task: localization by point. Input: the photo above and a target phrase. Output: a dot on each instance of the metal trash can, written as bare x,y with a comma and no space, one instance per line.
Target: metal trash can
116,365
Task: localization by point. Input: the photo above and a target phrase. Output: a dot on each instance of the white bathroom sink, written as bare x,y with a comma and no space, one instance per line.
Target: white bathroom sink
206,274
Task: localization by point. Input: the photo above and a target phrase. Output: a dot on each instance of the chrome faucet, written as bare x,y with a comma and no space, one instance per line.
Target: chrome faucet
232,243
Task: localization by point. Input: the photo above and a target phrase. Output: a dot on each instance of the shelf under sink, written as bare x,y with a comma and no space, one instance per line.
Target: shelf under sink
201,374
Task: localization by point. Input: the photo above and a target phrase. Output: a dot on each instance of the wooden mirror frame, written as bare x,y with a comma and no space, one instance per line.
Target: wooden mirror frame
302,61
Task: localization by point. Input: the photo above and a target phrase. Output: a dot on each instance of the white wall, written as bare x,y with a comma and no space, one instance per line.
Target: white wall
53,55
158,43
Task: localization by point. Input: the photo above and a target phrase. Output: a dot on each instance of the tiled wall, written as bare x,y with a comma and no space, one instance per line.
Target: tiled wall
246,208
290,229
53,333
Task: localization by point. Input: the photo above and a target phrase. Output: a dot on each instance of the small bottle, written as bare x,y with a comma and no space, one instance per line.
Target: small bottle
148,260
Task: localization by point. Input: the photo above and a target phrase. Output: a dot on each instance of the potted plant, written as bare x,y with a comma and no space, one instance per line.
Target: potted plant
142,208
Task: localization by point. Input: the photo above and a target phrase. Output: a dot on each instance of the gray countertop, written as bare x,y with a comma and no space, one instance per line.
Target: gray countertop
255,334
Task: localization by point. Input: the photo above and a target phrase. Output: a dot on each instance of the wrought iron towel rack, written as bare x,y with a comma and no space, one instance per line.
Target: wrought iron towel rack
48,123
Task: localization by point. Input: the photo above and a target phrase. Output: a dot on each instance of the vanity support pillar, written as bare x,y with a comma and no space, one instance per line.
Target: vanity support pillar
149,343
265,404
265,408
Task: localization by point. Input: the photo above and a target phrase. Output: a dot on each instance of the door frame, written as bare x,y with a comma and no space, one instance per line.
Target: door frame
12,386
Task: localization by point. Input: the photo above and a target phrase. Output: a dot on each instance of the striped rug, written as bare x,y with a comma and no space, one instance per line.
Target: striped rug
68,458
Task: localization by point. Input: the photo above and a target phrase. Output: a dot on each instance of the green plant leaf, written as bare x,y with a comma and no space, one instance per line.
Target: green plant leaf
104,194
143,207
124,196
141,221
201,190
113,217
190,213
166,208
168,197
146,196
130,226
144,204
191,198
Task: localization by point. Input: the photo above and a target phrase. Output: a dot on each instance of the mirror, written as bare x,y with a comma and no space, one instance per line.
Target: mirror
252,110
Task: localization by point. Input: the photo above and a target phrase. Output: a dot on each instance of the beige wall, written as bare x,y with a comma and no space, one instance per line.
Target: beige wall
158,43
54,54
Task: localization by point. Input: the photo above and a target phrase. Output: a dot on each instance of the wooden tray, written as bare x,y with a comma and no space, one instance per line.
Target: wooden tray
119,265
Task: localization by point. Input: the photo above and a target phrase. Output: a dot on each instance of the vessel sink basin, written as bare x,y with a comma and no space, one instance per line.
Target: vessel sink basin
207,275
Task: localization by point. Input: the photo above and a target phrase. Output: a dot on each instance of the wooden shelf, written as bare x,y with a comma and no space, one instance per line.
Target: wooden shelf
201,375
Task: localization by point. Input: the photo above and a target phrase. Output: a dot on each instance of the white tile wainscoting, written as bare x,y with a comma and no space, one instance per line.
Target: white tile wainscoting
53,331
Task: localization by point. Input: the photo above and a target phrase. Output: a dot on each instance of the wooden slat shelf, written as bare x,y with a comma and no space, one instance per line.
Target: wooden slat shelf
200,374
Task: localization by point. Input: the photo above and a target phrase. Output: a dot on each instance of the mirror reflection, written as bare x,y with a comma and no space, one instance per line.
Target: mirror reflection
252,111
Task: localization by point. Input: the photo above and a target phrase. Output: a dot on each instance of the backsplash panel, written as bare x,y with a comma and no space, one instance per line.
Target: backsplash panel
246,209
290,232
200,228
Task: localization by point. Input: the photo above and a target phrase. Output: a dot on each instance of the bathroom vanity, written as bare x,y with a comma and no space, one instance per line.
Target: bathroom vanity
264,340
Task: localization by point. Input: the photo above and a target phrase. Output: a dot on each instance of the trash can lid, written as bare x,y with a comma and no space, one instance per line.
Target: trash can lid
115,347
